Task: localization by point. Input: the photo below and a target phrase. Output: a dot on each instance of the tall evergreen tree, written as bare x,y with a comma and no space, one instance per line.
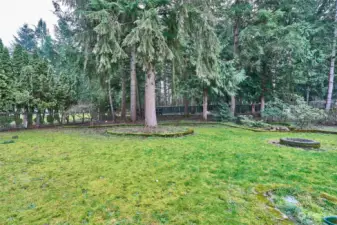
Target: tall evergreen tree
26,38
332,66
6,78
151,47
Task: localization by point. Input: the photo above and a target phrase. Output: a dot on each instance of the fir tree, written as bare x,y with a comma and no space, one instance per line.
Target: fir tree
26,38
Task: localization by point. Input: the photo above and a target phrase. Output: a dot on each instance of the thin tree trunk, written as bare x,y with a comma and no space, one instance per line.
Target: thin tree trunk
263,89
62,117
233,105
308,95
17,118
38,118
110,101
139,104
25,118
236,38
165,90
173,84
263,103
253,108
186,103
332,67
205,104
30,117
58,118
236,52
133,105
150,98
123,113
44,116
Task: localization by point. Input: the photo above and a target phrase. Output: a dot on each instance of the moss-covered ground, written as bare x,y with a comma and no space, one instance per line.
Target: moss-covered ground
217,176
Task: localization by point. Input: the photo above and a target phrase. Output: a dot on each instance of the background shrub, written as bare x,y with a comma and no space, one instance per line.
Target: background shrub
304,115
276,111
50,119
297,110
224,113
250,122
5,121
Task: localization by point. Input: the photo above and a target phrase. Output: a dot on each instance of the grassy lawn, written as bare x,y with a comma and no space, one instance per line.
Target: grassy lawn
217,176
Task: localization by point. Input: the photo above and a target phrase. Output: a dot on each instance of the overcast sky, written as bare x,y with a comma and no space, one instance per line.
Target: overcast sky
14,13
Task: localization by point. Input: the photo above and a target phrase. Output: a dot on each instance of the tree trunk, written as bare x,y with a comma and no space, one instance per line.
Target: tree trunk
58,118
332,67
133,92
205,104
236,52
123,113
110,101
30,117
172,84
236,38
150,98
38,119
263,103
17,118
62,118
44,116
253,108
25,118
308,95
139,104
165,90
233,105
263,88
186,103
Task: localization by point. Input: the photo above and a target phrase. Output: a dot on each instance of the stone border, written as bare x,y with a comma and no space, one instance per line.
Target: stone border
164,135
330,220
301,143
141,125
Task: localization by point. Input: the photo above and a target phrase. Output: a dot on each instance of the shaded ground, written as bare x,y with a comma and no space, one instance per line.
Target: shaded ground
217,176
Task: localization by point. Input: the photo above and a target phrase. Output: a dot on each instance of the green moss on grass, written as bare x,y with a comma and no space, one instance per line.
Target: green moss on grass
70,177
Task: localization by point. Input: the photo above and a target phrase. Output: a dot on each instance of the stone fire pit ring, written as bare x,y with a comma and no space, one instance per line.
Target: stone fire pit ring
301,143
